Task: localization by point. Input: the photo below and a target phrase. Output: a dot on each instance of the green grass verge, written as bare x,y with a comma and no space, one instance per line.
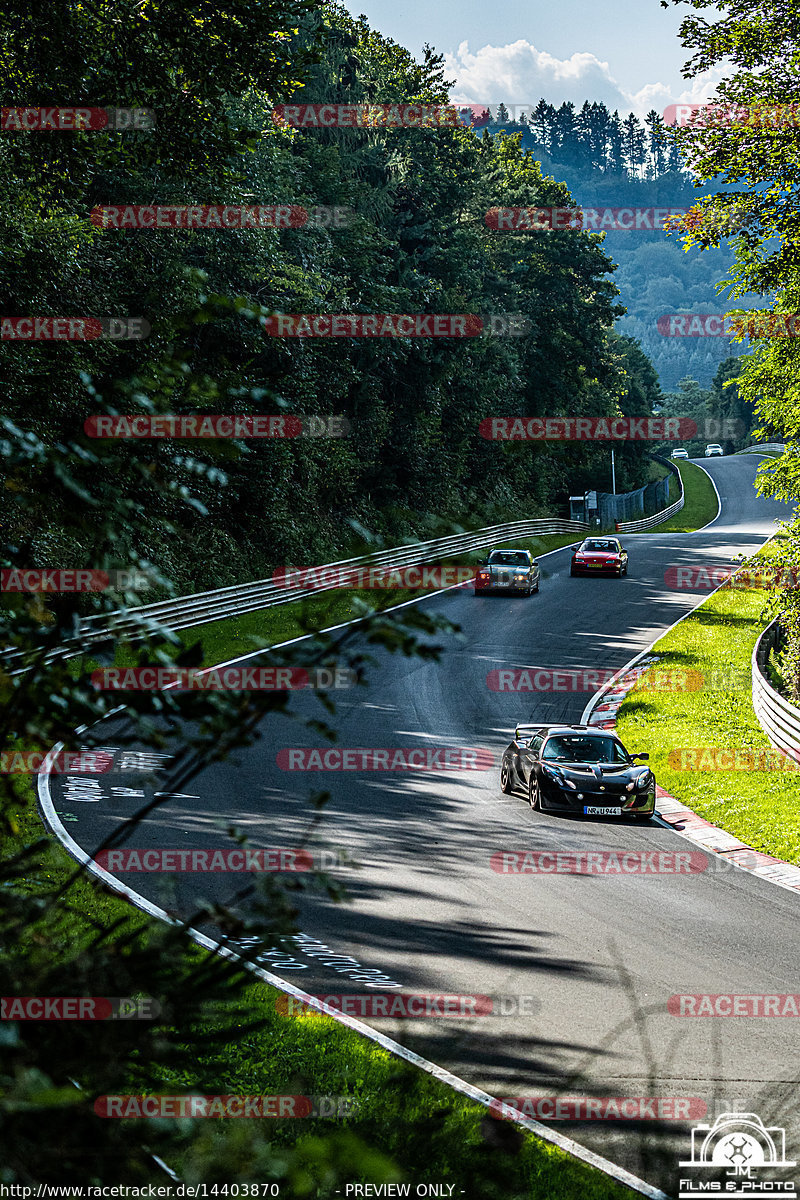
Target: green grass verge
428,1132
700,505
760,807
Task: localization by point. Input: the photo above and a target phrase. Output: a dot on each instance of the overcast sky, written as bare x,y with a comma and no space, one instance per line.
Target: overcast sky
623,52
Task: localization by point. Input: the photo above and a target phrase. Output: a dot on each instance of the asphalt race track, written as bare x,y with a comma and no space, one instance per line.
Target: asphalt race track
599,956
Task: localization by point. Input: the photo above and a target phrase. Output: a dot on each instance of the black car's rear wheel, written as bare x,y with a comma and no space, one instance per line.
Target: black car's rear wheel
506,782
534,799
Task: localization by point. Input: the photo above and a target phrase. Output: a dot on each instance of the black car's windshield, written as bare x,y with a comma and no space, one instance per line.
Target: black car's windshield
508,558
601,544
583,749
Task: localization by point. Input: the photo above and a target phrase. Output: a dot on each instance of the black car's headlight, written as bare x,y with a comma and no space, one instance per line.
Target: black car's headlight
640,782
558,777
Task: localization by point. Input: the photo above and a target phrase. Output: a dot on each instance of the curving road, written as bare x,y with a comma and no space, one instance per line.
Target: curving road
598,956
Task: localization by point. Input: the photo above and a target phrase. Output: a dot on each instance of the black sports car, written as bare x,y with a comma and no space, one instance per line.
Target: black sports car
598,554
508,571
578,769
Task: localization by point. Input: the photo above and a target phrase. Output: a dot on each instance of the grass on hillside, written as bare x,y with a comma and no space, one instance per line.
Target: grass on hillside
759,806
700,505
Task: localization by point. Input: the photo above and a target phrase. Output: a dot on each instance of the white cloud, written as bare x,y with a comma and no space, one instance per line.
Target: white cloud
520,74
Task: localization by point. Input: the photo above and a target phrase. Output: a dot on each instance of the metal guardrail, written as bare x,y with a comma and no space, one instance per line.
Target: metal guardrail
665,514
761,446
200,608
185,612
779,719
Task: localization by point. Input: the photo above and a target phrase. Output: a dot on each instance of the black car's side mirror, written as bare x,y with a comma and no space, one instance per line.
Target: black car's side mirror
482,562
640,756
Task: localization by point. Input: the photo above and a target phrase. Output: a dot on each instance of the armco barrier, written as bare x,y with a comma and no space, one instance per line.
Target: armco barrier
656,519
185,612
779,719
763,446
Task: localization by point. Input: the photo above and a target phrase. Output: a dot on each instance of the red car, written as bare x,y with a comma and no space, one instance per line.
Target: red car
599,555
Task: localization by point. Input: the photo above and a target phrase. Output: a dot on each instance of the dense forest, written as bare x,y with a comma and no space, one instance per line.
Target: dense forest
414,241
609,161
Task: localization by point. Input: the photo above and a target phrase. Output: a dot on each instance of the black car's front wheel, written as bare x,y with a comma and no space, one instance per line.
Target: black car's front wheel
534,798
506,781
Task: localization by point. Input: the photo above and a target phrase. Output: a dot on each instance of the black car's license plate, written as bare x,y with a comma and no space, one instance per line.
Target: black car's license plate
596,810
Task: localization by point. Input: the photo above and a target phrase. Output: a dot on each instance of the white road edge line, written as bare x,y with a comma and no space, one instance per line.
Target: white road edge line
53,822
619,1174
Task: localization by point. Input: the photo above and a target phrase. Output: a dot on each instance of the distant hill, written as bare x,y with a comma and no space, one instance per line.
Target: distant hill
612,162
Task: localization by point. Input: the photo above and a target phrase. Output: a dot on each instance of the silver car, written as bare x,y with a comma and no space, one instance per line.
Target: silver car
507,571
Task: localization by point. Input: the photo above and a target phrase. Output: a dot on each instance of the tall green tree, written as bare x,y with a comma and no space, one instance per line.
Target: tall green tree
748,144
